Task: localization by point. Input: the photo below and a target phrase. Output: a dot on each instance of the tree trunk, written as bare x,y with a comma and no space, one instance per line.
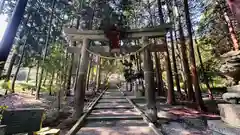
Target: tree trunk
56,81
37,73
68,75
72,55
45,78
61,83
28,74
181,61
59,92
170,14
210,95
14,56
11,64
21,58
19,64
159,75
232,32
170,97
59,100
68,92
69,78
175,67
51,84
198,94
186,69
46,48
10,32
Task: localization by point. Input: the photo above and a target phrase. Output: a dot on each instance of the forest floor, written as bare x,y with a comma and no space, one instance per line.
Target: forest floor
55,118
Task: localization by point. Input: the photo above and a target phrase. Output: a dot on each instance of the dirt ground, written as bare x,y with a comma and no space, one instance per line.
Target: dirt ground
54,117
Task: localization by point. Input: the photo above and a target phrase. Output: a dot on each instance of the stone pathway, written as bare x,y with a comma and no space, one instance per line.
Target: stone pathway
114,115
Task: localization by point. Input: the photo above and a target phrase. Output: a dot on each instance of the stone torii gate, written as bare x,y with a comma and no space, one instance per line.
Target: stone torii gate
98,35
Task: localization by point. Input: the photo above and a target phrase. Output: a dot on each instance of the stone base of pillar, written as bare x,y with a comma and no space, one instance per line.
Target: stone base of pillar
151,113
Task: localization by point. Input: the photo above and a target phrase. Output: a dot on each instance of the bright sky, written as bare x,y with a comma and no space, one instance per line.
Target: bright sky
3,25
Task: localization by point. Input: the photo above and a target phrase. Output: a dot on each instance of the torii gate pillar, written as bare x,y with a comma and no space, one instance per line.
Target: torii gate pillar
81,80
149,83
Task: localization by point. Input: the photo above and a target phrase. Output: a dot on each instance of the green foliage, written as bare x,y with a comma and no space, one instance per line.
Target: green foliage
115,67
27,86
55,62
213,29
213,38
2,109
5,85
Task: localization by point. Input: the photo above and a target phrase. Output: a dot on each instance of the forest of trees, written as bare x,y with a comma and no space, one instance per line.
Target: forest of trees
201,32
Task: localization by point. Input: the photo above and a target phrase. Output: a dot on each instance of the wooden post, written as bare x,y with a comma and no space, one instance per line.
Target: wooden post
141,69
159,80
77,73
137,89
70,70
98,81
149,83
89,73
81,83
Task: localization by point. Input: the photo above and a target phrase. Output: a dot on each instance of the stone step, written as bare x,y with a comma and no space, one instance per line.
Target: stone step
222,128
115,112
116,130
113,117
114,94
108,93
112,97
113,100
112,91
119,102
114,104
116,123
110,107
